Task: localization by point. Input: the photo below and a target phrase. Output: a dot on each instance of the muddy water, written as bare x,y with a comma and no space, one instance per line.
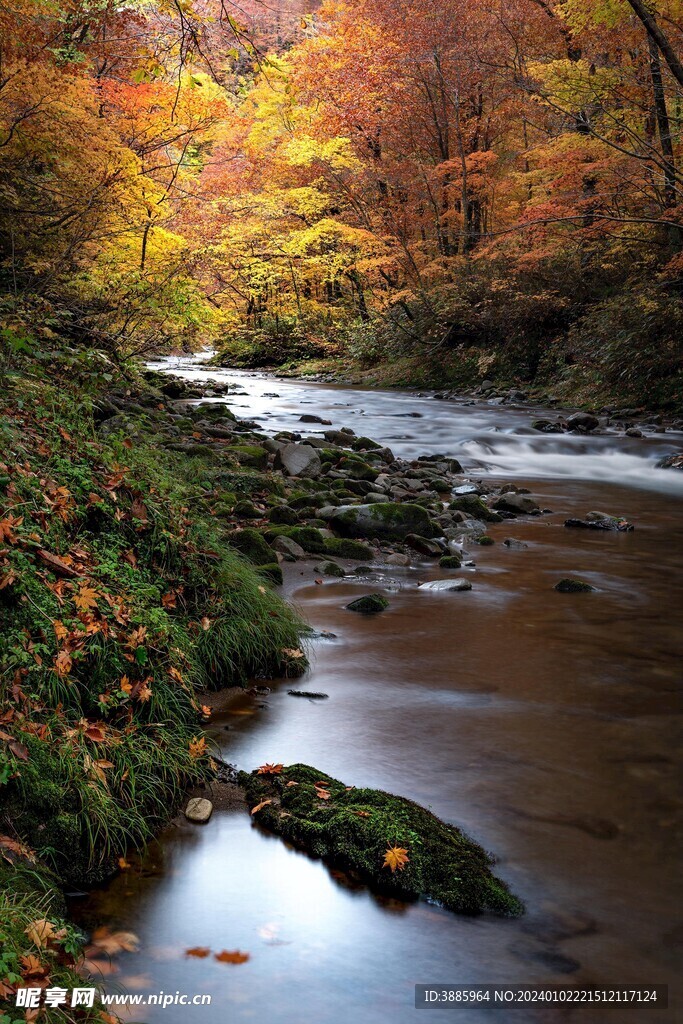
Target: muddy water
546,725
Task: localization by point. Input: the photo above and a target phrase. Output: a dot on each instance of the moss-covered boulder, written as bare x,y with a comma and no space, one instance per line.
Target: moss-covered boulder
369,604
250,455
355,828
449,562
388,519
342,547
271,572
472,505
252,545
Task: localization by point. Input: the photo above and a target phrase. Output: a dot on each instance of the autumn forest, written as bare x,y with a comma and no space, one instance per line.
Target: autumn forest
464,186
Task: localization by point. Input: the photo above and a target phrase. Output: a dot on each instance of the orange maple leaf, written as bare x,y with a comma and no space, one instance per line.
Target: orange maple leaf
396,857
270,769
86,598
197,747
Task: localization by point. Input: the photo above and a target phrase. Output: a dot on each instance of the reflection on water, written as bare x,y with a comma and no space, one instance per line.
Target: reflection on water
544,724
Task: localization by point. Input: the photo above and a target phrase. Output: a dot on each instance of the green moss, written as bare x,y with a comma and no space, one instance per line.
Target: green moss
246,510
485,541
472,505
271,572
283,515
369,604
330,569
355,827
342,547
252,545
250,455
449,562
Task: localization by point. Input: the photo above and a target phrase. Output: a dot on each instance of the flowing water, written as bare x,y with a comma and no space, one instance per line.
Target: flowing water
546,725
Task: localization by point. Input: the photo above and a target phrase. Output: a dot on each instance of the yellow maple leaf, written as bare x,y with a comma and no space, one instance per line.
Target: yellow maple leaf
396,857
197,747
86,598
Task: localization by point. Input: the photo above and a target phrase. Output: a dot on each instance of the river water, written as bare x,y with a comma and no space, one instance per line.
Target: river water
545,725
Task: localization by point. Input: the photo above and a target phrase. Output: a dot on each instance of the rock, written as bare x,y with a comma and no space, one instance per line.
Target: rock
486,385
341,437
298,460
287,546
547,426
568,586
514,545
398,559
389,520
634,432
351,830
330,569
252,545
271,571
198,809
583,422
449,562
674,461
485,541
425,547
370,604
246,510
446,585
519,504
600,521
310,695
342,547
473,506
311,418
283,515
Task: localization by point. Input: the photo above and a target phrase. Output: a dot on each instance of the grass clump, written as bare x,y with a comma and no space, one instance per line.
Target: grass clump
354,829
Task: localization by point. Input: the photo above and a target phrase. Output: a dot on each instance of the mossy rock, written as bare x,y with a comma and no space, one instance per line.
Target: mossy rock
354,828
472,505
247,510
449,562
485,541
369,604
252,545
389,520
271,572
252,456
283,515
342,547
568,586
360,444
330,569
359,468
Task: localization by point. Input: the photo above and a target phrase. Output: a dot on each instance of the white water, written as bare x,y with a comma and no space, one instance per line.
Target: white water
485,438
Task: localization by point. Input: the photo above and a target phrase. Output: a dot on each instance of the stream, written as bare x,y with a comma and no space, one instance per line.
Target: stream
546,725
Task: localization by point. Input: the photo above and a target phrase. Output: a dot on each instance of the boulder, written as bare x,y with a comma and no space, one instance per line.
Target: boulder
449,562
674,461
518,504
330,569
298,460
446,585
198,810
398,559
600,521
429,548
287,546
389,520
583,422
472,505
370,604
312,418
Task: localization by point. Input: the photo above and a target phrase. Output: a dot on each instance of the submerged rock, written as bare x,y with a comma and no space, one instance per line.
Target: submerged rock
370,604
569,586
600,521
198,810
583,422
519,504
355,828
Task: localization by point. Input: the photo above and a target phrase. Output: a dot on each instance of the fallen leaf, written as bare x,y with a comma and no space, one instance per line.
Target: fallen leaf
123,864
199,951
86,598
395,857
197,747
293,652
62,664
322,794
362,814
106,941
95,733
235,957
40,932
206,623
270,769
258,807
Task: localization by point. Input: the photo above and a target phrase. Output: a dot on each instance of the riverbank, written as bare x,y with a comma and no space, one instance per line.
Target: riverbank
121,604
